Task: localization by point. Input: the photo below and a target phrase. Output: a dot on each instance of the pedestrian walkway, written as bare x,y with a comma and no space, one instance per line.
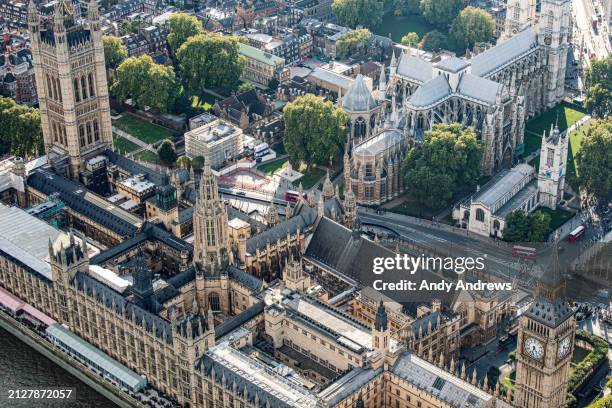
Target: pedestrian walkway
135,140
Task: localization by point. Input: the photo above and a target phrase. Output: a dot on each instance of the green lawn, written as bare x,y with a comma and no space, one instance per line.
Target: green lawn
143,130
272,166
310,178
147,156
558,217
398,26
567,115
575,142
123,145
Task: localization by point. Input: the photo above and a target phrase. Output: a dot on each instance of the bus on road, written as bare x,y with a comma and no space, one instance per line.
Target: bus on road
524,252
293,196
576,234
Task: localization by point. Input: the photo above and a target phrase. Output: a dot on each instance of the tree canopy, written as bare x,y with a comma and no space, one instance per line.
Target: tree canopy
20,131
114,51
353,13
595,159
433,41
406,7
166,153
146,83
410,39
352,41
314,130
472,25
523,227
440,12
599,84
181,26
209,61
450,156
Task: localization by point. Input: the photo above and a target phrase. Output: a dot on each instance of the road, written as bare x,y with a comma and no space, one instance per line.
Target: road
596,43
499,261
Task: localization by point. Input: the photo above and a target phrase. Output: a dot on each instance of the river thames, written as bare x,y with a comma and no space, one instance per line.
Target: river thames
23,367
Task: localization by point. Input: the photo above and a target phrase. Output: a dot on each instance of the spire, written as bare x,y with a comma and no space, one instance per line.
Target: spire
194,306
551,285
382,81
381,323
321,206
393,60
328,187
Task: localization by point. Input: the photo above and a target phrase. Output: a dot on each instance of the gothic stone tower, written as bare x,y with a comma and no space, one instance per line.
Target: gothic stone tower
553,34
71,83
545,344
211,249
520,14
553,163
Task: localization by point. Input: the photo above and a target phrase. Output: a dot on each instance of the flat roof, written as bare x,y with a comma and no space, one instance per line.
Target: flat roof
96,356
26,238
262,376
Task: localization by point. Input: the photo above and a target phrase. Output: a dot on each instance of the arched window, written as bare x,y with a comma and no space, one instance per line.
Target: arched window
59,89
49,87
82,135
54,88
213,302
83,88
517,12
551,20
359,129
91,85
75,85
480,215
89,133
96,130
496,225
54,126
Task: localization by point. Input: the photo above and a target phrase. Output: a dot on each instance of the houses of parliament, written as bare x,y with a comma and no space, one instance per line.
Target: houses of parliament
264,312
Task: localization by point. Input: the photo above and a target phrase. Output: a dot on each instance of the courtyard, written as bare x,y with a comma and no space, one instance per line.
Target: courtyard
123,145
563,114
147,132
398,26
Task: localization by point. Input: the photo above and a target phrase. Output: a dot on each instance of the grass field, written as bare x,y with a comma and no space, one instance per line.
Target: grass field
575,143
310,178
558,217
272,166
567,116
123,145
143,130
398,26
147,156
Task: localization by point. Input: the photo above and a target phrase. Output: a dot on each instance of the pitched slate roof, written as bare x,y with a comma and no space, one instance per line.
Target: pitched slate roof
136,168
414,68
84,202
478,88
430,92
504,53
235,322
246,279
358,98
452,64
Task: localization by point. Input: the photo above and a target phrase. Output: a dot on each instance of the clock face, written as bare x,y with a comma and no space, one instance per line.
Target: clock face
534,348
564,347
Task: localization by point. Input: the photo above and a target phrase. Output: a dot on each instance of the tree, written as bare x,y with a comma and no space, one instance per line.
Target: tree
314,130
440,12
146,83
472,25
131,26
450,156
245,86
410,39
594,159
166,153
184,162
433,41
599,84
353,41
181,26
406,7
210,61
523,227
114,51
353,13
197,163
20,130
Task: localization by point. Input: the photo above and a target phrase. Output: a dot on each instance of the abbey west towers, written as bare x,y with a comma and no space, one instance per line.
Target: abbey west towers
71,81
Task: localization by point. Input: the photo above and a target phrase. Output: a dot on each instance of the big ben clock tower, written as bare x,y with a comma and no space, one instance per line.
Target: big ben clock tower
545,344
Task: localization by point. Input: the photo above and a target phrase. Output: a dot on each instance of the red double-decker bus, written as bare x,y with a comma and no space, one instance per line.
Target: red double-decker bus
293,196
576,234
524,252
